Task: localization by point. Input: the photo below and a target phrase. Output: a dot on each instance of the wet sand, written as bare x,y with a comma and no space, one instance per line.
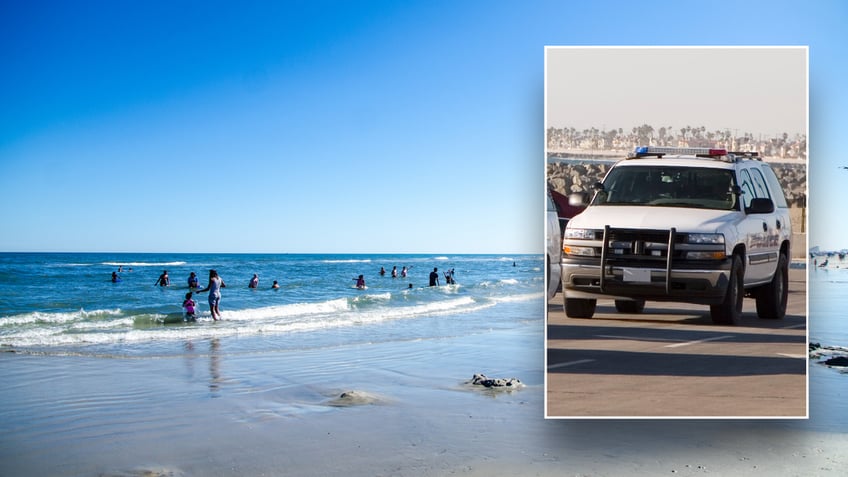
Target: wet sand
402,409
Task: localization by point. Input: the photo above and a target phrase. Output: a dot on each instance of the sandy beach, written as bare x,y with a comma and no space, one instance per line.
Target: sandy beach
407,411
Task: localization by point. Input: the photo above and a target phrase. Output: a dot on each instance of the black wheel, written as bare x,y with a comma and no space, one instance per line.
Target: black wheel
771,298
729,311
580,307
630,306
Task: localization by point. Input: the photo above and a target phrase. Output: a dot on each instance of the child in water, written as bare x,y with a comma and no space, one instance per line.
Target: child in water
189,305
360,282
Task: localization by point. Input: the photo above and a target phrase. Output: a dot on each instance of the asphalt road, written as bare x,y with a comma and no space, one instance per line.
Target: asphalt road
672,361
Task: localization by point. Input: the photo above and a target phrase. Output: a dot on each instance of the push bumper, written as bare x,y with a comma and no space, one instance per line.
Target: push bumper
699,285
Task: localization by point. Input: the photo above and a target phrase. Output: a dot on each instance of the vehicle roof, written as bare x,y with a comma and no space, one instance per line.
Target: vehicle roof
679,161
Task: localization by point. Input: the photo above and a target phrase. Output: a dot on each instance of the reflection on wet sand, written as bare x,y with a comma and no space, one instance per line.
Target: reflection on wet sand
214,367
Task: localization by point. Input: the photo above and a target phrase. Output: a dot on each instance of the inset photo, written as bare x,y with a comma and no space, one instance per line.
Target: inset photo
677,232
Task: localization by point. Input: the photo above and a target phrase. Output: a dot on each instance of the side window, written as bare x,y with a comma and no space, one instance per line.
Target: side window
760,184
747,186
776,189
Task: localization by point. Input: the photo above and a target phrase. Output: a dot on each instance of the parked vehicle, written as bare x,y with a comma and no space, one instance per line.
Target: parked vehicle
691,225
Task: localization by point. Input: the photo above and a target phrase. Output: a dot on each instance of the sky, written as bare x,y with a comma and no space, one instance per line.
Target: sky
333,127
760,90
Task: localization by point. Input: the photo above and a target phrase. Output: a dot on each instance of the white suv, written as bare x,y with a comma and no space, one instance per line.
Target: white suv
691,225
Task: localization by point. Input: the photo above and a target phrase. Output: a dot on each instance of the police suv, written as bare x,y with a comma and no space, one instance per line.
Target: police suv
692,225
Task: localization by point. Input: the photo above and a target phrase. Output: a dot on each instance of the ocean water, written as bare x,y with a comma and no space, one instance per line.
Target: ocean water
828,302
58,303
828,325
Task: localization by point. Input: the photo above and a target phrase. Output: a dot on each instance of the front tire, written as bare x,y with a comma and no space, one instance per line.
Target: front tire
580,307
771,298
729,311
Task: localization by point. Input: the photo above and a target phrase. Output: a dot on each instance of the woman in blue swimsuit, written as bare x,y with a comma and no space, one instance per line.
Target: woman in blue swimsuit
214,288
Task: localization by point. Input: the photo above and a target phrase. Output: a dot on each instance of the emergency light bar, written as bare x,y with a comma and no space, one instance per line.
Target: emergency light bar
717,154
692,151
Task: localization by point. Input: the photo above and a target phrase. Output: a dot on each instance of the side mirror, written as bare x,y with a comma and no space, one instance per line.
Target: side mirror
578,199
760,206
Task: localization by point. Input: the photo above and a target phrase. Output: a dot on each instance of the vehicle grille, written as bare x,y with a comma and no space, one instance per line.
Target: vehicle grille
639,245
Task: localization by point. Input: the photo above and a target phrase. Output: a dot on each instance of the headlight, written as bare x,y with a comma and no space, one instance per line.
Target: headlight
706,239
580,234
581,251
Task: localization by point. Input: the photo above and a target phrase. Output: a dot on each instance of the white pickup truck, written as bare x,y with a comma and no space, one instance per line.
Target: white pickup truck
692,225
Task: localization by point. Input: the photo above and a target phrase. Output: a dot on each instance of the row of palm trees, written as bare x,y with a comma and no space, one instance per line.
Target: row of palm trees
617,139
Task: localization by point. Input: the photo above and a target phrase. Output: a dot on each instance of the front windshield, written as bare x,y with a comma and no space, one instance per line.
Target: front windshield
699,187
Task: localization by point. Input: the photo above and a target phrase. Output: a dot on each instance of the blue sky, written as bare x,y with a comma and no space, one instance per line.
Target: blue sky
322,127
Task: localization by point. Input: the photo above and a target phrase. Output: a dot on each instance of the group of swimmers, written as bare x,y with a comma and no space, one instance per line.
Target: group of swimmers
434,277
165,281
403,272
216,283
213,287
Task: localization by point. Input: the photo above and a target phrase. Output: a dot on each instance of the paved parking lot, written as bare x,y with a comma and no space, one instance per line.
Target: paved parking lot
672,361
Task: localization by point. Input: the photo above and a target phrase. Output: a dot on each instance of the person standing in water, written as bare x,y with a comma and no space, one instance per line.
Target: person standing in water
193,282
214,289
163,280
434,277
360,282
254,282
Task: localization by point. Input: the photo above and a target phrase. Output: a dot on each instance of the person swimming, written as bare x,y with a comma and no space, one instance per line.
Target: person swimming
193,282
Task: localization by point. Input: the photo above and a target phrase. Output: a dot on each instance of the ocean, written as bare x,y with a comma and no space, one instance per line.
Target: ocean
66,302
828,303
